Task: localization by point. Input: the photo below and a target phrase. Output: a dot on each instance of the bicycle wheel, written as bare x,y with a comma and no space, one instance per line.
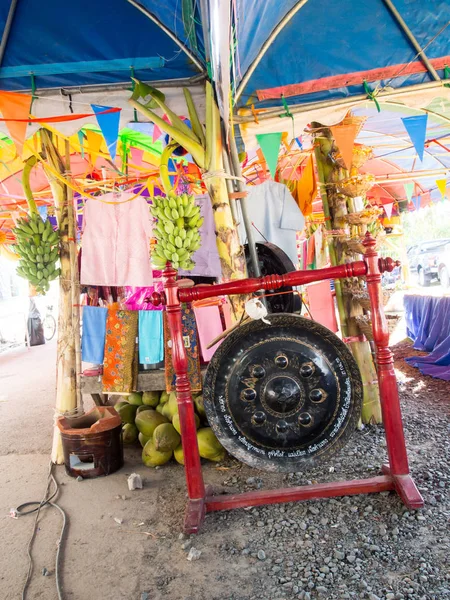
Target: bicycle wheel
49,325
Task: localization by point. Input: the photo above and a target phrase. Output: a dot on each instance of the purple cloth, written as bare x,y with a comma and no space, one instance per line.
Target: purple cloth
428,324
207,262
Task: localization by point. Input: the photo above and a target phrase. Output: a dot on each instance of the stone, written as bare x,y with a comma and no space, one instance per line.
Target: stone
194,554
134,482
261,555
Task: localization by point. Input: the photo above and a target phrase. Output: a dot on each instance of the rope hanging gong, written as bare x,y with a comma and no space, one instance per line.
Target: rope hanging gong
283,397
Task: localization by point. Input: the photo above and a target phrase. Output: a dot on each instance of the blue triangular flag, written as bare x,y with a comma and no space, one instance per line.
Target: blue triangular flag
416,201
109,124
417,131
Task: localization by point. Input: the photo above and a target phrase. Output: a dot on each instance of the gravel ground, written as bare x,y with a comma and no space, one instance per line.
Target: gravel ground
355,547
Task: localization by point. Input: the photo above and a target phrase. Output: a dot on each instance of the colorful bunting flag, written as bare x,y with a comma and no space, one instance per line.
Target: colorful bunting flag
270,146
416,201
109,124
16,106
417,130
344,136
442,186
388,209
93,143
136,156
409,189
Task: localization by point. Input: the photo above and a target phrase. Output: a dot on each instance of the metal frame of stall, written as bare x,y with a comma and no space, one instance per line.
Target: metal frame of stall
396,475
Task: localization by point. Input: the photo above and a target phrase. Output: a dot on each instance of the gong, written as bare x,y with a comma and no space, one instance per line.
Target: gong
284,396
273,260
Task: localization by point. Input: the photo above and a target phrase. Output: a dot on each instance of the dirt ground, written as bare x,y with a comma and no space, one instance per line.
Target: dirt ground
143,559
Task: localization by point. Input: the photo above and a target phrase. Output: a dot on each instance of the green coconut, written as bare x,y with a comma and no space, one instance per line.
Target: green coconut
119,405
143,407
209,446
152,457
172,405
148,420
127,412
166,437
150,399
200,407
129,433
165,410
179,454
159,408
135,398
176,422
143,439
164,397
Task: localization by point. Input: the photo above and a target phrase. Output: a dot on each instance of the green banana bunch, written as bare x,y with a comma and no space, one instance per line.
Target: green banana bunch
38,248
176,231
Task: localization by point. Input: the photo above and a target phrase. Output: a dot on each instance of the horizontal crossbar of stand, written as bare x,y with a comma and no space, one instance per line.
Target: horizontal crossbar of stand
383,483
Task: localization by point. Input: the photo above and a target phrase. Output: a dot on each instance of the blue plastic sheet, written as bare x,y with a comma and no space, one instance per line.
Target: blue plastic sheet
428,324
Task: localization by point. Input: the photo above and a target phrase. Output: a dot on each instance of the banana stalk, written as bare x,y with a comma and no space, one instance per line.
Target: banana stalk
328,172
29,164
206,150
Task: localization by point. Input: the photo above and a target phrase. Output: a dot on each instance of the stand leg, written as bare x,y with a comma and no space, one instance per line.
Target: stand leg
390,403
195,511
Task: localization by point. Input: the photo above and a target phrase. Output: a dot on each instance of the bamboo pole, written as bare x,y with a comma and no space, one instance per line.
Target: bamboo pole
371,409
66,384
75,280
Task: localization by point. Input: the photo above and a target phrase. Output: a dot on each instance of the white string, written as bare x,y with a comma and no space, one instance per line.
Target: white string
220,173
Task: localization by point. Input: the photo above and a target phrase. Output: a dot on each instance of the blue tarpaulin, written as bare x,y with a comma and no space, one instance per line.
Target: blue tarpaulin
428,324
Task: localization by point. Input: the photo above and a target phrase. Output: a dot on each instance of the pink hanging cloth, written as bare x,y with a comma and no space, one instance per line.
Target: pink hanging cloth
116,241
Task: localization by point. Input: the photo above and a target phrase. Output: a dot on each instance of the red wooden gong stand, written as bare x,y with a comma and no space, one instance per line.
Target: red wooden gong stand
395,476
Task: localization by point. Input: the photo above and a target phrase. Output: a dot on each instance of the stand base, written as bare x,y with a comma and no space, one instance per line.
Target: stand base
402,484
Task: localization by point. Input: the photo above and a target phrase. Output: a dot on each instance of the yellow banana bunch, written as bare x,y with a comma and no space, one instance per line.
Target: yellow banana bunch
176,231
37,246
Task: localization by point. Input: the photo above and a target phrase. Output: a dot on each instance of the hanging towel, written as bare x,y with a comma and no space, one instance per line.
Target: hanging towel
209,326
321,304
151,337
93,337
119,363
190,337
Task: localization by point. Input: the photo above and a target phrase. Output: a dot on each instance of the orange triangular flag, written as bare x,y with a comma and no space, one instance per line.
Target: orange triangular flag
344,136
307,188
94,141
16,106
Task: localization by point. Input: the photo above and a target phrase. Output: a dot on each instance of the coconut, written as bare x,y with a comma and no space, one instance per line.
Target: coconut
143,439
127,412
143,407
179,454
198,401
152,457
209,446
166,437
176,422
159,408
172,405
148,420
164,397
135,398
129,433
150,398
119,405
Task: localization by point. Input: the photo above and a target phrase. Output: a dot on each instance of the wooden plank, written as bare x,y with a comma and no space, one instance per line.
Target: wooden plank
147,382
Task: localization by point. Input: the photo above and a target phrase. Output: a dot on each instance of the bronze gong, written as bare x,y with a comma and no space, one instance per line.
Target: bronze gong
284,396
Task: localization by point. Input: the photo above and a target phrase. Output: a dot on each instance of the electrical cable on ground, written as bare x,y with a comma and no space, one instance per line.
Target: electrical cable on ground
21,512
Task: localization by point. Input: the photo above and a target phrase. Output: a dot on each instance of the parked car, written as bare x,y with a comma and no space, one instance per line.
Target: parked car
431,260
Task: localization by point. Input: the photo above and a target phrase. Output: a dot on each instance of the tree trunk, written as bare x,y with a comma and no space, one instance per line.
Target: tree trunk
335,210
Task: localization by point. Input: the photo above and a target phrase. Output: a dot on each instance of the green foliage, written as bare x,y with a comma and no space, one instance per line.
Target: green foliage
429,223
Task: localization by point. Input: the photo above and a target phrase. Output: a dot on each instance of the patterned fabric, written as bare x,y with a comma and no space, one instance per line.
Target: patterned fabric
192,348
120,361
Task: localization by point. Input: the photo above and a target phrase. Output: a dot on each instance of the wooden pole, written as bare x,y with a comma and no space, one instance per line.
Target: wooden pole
66,384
